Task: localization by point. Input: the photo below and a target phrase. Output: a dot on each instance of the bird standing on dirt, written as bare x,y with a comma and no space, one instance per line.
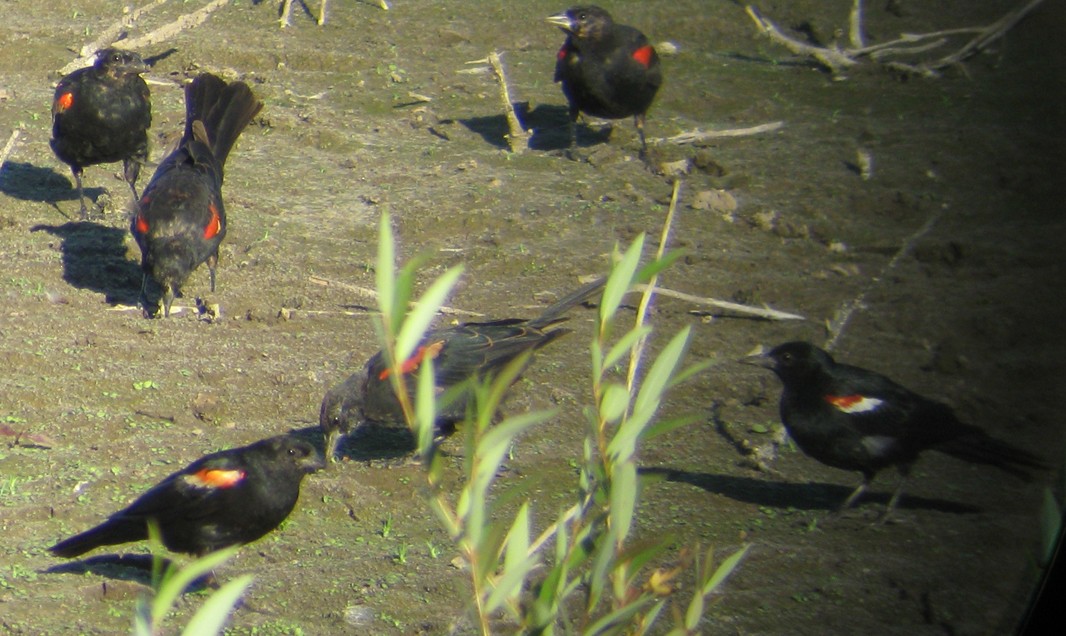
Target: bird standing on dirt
607,70
855,419
101,114
469,350
227,498
180,220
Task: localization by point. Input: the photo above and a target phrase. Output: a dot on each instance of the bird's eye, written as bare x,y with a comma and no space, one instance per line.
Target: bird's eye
786,358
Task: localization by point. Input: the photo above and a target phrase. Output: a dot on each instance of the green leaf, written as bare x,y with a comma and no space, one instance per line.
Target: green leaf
212,615
623,498
654,384
426,408
624,344
385,272
174,585
614,403
724,570
418,320
619,280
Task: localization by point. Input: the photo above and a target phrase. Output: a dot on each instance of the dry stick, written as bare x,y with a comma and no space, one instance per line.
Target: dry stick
992,33
847,310
366,292
855,36
187,21
518,137
694,136
8,147
759,312
637,349
833,59
112,33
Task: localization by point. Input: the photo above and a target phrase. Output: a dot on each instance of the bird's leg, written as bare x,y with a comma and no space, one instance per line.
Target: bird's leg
858,492
212,263
131,169
904,472
81,194
638,121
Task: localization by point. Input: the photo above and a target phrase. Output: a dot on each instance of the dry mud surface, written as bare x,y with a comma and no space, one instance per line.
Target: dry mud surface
970,314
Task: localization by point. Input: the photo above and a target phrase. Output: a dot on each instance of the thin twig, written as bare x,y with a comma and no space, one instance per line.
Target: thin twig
696,136
855,35
517,137
8,147
187,21
113,32
843,316
371,294
637,350
759,312
991,34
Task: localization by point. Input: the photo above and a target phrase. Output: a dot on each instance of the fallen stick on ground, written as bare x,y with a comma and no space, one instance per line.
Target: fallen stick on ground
112,33
187,21
371,294
837,59
843,316
8,147
517,136
694,136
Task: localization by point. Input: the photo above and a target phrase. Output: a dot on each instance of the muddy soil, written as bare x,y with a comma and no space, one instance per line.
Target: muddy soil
966,174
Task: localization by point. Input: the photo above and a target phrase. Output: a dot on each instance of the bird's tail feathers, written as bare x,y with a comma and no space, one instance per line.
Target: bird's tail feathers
553,313
983,449
224,110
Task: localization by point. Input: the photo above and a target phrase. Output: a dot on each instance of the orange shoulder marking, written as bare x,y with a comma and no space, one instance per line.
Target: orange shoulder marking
643,55
64,101
214,226
411,364
215,478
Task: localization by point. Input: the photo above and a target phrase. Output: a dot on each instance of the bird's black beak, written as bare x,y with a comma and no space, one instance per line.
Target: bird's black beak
560,20
760,359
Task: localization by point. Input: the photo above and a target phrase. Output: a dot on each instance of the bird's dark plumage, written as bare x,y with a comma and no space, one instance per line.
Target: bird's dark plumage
180,219
227,498
606,69
855,419
101,114
472,349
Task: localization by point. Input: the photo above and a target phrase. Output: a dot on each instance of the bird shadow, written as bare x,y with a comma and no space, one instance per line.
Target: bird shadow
94,258
808,496
27,182
550,126
134,568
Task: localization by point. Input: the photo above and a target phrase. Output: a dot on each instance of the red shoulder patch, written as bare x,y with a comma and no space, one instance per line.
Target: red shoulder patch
214,226
411,364
643,55
215,478
64,101
563,52
141,224
853,403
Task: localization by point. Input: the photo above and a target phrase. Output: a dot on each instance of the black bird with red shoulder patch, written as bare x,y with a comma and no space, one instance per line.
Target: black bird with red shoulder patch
180,219
101,114
469,350
606,69
856,419
227,498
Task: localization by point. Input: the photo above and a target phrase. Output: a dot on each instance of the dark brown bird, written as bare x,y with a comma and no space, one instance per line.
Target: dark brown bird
101,114
856,419
469,350
227,498
606,69
180,219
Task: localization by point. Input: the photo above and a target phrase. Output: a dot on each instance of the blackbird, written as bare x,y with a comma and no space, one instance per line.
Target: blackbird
180,220
101,114
606,69
468,350
855,419
226,498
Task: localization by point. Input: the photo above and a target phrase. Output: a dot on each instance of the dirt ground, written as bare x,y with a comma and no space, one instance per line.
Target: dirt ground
967,171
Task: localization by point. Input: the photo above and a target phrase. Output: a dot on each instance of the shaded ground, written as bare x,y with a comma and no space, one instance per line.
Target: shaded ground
970,315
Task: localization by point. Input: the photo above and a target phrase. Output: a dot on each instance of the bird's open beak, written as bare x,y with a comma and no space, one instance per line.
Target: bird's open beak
560,20
758,358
